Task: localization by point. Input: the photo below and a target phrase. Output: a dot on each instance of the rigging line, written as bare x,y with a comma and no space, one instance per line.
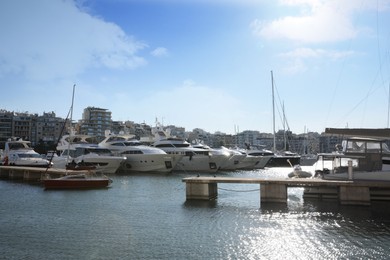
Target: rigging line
277,107
372,91
337,85
58,140
282,116
377,40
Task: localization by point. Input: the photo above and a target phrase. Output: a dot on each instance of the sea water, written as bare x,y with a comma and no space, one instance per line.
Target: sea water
146,216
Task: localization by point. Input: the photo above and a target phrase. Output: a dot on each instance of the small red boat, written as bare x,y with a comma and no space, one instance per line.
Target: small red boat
77,181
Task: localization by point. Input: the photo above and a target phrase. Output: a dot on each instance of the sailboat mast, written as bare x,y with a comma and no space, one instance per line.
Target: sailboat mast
71,107
273,109
70,128
284,129
388,108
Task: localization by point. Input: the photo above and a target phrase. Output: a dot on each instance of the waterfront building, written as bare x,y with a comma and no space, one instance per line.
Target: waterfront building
95,121
177,131
48,128
249,138
22,125
219,139
329,143
5,126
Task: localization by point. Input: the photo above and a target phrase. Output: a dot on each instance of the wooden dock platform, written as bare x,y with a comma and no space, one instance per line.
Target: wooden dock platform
32,173
348,192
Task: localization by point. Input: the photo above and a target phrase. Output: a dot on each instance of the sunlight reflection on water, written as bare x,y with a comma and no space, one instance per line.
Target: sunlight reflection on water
145,216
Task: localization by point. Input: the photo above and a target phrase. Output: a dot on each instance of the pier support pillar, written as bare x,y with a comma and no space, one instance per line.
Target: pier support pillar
31,176
4,173
273,192
201,191
354,195
16,174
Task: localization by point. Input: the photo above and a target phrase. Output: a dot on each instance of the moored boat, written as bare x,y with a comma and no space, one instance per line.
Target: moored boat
361,158
85,156
139,157
20,153
77,181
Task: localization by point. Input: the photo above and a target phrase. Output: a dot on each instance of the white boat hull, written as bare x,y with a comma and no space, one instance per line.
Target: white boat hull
200,163
249,162
148,163
233,163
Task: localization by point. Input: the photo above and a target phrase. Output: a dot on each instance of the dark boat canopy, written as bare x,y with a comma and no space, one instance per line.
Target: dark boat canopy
383,133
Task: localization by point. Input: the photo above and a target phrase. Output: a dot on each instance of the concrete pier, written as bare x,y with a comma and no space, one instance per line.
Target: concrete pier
201,191
348,192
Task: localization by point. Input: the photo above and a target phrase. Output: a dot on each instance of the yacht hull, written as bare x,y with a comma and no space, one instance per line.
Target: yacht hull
200,163
147,163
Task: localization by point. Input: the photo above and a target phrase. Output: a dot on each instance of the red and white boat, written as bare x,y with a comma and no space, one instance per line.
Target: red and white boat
77,181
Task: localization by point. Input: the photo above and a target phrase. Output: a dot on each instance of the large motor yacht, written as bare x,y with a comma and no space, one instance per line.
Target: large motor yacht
139,157
77,152
190,158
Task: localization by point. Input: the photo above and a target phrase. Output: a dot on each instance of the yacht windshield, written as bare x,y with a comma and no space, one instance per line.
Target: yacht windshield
29,155
15,146
99,151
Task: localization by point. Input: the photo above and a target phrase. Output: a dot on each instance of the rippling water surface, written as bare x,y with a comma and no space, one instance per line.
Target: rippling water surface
146,216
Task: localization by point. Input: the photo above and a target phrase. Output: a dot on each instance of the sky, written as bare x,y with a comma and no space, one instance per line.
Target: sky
201,64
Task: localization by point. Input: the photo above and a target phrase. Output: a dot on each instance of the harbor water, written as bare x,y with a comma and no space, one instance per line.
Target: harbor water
146,216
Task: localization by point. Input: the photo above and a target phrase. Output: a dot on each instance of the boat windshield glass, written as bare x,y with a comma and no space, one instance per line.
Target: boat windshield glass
385,148
99,151
116,138
173,145
357,146
132,143
15,146
29,155
354,146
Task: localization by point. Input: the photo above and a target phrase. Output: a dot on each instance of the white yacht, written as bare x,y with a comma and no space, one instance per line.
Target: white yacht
20,153
227,160
236,160
251,160
188,157
139,157
77,152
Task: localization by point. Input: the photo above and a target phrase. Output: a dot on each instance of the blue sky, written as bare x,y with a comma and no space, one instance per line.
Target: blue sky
198,63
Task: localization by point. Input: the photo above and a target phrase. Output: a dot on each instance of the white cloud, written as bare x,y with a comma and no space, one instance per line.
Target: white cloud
317,21
160,52
322,25
55,39
316,53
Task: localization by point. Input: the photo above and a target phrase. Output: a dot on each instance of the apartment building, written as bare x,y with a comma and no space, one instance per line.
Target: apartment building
95,121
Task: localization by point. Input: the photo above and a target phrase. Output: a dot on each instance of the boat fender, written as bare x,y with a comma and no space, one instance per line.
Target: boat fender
128,165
